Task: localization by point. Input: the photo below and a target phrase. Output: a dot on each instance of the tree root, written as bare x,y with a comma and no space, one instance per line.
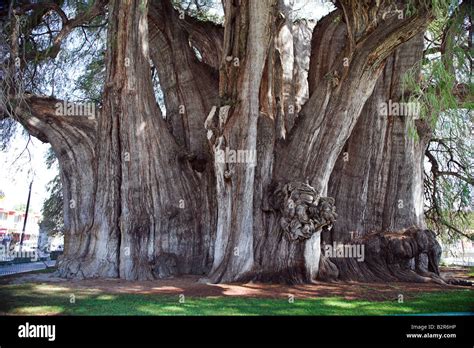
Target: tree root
411,255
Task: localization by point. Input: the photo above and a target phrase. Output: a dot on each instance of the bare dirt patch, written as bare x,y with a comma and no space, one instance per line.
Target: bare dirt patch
193,287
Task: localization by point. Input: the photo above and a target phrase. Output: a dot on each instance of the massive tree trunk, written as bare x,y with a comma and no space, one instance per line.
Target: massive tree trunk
131,205
231,182
233,127
293,173
152,224
378,187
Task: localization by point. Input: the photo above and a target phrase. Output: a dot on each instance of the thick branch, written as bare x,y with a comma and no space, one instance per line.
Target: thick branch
330,115
40,9
189,86
68,25
44,117
207,37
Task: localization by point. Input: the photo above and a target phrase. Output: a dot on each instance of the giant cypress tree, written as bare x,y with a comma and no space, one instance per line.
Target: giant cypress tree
147,195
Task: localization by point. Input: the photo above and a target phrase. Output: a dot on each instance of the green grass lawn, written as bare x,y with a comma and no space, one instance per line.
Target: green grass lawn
471,272
41,299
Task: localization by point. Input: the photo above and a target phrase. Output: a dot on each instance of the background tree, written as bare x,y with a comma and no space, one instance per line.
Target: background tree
52,210
446,96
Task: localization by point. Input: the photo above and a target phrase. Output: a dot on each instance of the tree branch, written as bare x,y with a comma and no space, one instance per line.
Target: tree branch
42,118
328,117
470,181
190,86
206,36
68,25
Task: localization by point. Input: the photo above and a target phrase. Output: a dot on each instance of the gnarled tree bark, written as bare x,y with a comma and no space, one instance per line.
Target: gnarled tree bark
148,196
377,184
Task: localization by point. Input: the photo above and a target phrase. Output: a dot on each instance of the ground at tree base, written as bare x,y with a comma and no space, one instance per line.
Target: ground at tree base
191,286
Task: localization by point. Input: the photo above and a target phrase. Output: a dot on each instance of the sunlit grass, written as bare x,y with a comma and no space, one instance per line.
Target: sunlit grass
51,299
39,310
471,271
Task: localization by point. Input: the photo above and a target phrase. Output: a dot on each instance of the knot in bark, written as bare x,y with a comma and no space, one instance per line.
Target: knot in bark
303,211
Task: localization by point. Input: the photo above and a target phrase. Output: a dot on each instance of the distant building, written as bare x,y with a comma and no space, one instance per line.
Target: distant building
11,223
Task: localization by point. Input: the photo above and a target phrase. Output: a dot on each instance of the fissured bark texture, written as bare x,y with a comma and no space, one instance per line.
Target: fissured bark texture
149,195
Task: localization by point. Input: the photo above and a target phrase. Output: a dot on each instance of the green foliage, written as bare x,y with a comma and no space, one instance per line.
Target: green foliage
79,6
60,75
437,7
434,97
471,272
8,128
52,210
444,92
203,10
20,207
90,83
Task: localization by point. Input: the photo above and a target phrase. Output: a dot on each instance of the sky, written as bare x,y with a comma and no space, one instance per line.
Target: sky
309,9
17,171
